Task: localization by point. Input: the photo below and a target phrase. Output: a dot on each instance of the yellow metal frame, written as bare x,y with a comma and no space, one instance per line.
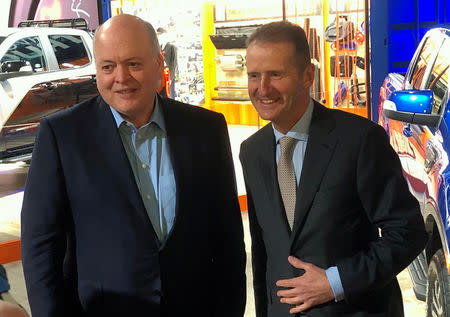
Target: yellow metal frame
209,52
326,56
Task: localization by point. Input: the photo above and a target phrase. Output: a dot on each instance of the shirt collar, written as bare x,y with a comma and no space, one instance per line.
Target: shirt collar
300,129
156,117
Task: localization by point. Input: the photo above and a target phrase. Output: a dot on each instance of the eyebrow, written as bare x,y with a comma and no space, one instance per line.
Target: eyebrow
127,60
267,71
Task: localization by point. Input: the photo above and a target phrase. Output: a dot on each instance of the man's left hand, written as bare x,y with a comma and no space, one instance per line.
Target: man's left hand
306,291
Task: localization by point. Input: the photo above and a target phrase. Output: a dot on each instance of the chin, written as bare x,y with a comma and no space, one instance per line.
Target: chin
267,115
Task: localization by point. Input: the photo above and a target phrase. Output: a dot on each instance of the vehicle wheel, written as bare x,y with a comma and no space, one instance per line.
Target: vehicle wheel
438,288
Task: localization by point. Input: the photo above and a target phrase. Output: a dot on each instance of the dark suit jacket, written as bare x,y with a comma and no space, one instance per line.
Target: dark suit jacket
88,246
350,186
171,58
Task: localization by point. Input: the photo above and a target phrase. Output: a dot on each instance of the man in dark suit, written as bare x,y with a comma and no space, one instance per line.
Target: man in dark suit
130,206
331,218
170,52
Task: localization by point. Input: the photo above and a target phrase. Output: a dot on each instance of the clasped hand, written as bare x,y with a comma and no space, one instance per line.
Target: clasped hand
308,290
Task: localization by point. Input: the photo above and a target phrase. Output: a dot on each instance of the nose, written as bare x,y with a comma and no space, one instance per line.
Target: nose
122,74
265,86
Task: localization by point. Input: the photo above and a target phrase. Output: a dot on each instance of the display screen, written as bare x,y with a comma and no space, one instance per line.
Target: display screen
21,10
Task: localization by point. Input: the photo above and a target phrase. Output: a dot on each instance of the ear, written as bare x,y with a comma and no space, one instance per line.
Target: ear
308,76
160,71
160,61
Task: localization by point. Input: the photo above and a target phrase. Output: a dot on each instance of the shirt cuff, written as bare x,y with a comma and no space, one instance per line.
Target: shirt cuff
335,282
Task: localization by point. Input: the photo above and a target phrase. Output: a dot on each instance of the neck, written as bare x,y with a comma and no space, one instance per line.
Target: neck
141,118
287,124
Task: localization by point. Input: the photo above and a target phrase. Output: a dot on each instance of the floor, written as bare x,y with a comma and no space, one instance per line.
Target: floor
12,179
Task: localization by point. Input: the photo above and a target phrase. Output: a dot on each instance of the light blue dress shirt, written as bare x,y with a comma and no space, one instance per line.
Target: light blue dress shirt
300,132
147,149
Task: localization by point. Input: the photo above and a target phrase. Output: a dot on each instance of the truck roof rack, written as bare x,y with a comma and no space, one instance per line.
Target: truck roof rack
78,23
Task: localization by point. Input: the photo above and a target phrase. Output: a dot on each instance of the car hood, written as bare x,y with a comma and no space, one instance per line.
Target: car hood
14,89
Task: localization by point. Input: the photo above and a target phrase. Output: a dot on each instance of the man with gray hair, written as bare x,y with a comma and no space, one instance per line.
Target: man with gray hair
331,217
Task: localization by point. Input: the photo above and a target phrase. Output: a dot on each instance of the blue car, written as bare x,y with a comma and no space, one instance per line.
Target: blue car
414,109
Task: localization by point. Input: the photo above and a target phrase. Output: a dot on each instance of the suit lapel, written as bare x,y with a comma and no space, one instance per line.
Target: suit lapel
319,151
268,164
180,147
111,148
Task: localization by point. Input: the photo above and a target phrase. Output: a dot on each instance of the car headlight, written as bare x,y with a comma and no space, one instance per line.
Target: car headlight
389,105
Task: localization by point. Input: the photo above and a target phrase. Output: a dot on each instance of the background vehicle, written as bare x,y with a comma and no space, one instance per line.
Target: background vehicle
43,70
414,109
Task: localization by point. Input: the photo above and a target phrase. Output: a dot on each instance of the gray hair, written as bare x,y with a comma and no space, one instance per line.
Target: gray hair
284,31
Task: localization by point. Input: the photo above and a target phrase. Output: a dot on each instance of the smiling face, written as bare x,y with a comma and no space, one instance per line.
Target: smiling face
277,88
128,68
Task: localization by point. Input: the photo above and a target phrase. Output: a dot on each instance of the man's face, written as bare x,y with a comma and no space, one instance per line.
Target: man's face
278,90
128,71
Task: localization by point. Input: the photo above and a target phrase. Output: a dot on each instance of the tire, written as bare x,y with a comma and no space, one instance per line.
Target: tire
438,288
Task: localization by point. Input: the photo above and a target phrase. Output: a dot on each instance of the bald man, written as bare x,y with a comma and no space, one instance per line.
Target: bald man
130,206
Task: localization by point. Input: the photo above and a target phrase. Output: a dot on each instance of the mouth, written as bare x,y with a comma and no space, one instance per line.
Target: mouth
125,92
268,102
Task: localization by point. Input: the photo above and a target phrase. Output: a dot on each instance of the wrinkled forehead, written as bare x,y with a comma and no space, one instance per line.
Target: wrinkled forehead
261,49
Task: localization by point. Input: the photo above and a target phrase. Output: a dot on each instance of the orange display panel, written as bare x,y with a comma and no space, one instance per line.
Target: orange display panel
9,251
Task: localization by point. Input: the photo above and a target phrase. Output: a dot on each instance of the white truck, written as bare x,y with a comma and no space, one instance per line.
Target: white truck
45,66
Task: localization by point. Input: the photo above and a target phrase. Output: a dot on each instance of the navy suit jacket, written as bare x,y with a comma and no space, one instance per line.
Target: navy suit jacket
88,246
351,185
